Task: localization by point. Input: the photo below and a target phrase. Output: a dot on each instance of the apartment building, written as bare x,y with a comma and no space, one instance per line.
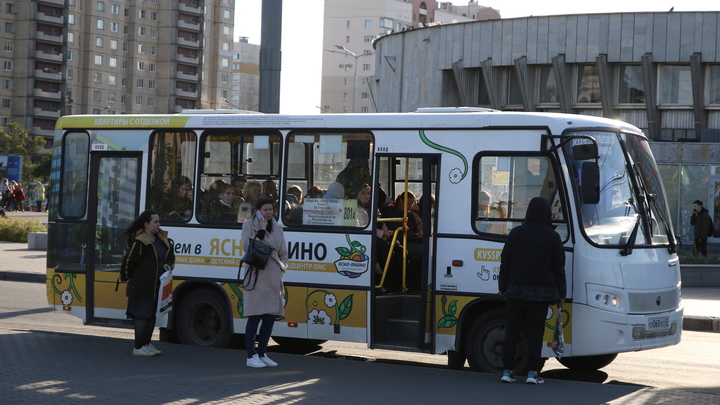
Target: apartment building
65,57
245,94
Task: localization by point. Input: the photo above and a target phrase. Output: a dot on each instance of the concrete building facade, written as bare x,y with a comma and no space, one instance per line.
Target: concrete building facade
657,71
119,57
245,93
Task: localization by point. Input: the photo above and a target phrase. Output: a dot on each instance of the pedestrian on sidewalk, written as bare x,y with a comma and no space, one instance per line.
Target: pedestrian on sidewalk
702,227
263,299
149,255
532,276
39,195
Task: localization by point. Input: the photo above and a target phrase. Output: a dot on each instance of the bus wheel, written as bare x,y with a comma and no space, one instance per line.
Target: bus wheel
202,320
587,363
484,344
298,345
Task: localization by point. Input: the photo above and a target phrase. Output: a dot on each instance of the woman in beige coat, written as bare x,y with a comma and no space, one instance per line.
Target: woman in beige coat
264,292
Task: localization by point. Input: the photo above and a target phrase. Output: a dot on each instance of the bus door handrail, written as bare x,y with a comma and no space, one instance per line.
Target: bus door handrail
390,252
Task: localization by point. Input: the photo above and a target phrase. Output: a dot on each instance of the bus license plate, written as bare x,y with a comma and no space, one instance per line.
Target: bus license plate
659,323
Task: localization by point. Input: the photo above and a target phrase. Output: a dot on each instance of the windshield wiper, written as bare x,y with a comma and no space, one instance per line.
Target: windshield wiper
628,249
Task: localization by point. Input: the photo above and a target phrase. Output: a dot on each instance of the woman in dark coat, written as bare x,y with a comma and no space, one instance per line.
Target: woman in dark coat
149,256
264,294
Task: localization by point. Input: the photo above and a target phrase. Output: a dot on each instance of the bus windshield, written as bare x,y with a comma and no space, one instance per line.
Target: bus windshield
632,210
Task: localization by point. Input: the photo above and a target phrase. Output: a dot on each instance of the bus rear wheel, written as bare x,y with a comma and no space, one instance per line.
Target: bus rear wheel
203,320
587,363
484,345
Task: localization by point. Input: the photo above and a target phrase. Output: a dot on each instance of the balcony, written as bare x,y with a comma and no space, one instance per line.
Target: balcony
46,94
189,42
49,37
189,26
39,112
48,56
37,131
179,109
47,75
190,9
187,77
50,18
188,59
55,2
186,94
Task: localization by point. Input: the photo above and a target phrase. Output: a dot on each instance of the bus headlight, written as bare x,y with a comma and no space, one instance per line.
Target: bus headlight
605,298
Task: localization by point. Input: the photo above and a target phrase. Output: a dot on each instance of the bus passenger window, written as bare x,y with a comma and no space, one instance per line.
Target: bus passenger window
172,163
338,163
506,185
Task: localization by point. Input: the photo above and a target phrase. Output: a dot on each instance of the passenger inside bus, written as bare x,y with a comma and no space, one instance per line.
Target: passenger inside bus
362,214
270,190
293,198
209,195
296,215
335,190
221,209
357,172
184,199
414,237
488,209
251,193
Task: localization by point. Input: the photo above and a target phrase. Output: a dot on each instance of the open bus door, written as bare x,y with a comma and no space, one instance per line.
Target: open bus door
401,317
113,203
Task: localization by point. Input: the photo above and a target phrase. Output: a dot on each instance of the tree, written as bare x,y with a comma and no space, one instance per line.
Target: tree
15,141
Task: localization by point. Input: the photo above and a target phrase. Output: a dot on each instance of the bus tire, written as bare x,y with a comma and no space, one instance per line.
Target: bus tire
587,363
298,344
203,320
484,344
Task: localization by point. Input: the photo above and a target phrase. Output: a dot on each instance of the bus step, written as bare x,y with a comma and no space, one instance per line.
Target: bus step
403,330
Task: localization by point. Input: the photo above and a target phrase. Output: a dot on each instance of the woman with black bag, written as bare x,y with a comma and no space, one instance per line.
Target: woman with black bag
149,256
264,291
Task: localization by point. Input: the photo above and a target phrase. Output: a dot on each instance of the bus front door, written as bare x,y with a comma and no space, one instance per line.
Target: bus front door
114,190
402,304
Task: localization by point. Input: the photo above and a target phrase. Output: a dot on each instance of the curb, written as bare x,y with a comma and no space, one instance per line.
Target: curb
690,322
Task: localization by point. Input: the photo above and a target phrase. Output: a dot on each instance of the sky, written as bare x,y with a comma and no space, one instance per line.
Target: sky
302,53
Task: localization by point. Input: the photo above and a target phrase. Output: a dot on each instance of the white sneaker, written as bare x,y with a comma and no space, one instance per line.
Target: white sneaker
143,352
255,362
265,359
153,349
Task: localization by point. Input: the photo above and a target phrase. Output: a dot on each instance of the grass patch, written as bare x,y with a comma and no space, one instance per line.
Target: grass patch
687,256
16,229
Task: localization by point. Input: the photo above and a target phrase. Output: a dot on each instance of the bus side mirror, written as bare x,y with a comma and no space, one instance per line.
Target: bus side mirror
590,183
585,151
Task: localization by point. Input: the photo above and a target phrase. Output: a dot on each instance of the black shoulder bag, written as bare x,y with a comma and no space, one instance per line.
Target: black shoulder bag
256,256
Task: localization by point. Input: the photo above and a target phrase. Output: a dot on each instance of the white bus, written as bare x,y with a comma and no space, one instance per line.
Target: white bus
480,166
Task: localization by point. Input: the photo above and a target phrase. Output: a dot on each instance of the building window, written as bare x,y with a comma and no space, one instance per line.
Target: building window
225,62
111,97
114,9
112,80
122,99
139,100
547,93
10,8
71,37
226,46
714,84
676,85
153,33
114,27
7,84
226,30
97,77
141,48
100,6
236,77
141,66
124,64
224,93
347,39
631,87
151,67
9,27
154,16
224,78
140,83
112,62
141,31
98,60
364,110
114,44
6,103
99,42
366,67
100,24
153,50
151,84
9,46
70,55
126,47
227,14
71,19
368,38
368,23
123,81
364,95
514,96
142,14
97,95
386,23
588,84
347,24
69,74
151,101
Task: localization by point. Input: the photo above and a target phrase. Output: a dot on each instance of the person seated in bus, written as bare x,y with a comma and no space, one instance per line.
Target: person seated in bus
183,199
270,190
238,184
362,214
251,192
417,210
488,209
335,190
354,175
209,195
222,209
292,199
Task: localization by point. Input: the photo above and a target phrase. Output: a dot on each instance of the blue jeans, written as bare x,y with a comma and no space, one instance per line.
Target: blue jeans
265,332
527,317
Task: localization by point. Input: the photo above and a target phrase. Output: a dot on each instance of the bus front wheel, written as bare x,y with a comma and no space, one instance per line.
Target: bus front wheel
203,320
484,345
587,363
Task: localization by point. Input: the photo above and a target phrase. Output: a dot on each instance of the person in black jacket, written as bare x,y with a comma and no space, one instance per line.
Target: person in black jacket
532,276
149,256
702,225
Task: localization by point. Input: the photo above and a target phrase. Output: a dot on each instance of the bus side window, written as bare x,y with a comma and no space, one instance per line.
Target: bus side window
172,163
506,184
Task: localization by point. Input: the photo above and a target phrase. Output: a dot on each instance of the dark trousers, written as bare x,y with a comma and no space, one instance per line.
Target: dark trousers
251,332
701,245
527,317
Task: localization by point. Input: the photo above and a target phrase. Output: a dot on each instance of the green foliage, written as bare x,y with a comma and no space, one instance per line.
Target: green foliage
40,171
15,141
17,229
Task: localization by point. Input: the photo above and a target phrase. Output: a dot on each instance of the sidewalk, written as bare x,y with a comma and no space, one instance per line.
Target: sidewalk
702,304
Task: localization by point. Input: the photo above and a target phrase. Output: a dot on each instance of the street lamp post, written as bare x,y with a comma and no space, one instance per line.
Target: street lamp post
354,55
